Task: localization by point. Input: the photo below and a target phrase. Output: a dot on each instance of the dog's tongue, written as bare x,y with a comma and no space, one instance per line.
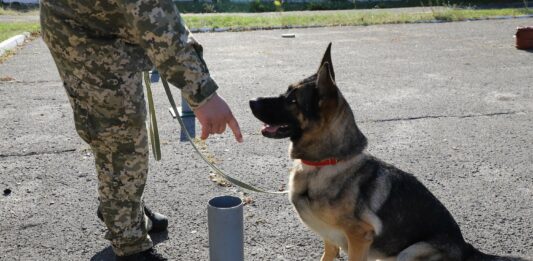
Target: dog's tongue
270,128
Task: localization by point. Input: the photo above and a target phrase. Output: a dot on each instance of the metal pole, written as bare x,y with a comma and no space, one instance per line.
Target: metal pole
154,76
185,112
225,223
188,119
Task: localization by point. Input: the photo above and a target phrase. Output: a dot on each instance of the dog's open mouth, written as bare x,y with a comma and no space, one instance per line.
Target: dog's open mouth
276,131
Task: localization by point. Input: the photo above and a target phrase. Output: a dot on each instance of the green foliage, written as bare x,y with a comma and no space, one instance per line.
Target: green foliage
255,6
208,8
277,4
259,6
16,6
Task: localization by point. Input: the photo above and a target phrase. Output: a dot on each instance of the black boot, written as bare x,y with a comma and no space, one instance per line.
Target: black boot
159,221
147,255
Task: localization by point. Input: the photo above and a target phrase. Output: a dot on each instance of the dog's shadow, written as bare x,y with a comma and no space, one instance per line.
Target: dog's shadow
527,50
107,253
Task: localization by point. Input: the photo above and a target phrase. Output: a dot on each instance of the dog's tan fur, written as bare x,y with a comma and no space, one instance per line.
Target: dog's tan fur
334,221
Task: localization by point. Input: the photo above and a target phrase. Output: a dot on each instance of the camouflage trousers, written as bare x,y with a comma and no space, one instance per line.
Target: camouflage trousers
109,114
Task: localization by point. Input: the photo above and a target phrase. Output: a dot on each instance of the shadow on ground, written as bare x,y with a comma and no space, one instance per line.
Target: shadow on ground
107,253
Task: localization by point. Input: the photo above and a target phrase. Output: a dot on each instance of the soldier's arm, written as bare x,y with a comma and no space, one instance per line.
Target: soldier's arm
159,29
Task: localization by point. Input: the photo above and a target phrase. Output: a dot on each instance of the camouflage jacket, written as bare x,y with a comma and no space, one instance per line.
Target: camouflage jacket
118,35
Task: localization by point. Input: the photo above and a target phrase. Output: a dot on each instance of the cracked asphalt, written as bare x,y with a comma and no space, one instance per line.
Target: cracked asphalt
451,103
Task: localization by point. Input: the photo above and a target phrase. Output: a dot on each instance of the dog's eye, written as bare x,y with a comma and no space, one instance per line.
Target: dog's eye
290,97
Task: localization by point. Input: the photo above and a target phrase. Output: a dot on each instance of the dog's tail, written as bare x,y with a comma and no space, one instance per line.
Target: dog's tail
476,255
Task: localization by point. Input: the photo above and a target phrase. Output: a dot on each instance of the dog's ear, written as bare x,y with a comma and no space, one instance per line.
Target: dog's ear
327,59
325,82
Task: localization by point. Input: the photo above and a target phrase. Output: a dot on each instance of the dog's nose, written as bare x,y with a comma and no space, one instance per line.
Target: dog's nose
254,104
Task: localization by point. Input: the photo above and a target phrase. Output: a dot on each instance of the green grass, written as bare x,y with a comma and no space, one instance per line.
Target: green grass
288,19
343,18
237,21
11,29
463,14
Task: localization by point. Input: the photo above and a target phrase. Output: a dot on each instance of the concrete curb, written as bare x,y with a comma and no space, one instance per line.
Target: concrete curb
13,42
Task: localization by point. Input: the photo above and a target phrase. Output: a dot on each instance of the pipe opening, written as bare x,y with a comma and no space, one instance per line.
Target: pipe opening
225,202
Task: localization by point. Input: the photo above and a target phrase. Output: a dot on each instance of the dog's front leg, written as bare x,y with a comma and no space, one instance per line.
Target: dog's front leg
359,241
331,251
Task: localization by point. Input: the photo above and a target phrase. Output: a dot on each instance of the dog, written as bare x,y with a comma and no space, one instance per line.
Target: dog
354,201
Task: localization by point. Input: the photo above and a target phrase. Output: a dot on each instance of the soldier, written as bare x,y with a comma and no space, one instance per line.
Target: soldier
100,49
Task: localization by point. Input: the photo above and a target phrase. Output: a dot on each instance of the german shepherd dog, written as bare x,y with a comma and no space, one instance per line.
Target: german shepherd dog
354,201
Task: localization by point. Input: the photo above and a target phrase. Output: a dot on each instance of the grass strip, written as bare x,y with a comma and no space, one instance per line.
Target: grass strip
235,21
8,30
283,19
465,14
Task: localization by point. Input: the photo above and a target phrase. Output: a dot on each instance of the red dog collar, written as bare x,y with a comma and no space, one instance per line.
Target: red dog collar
331,161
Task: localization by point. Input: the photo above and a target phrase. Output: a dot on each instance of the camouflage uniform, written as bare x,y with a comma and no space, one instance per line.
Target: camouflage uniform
100,48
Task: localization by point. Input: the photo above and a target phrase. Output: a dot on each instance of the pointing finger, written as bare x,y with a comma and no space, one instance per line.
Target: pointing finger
234,126
206,130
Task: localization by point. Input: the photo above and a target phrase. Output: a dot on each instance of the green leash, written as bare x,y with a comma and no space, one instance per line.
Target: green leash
154,132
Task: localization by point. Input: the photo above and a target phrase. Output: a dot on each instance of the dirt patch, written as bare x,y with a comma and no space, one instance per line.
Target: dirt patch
6,79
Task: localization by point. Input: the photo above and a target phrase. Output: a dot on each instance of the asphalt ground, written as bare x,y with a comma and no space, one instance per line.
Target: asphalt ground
451,103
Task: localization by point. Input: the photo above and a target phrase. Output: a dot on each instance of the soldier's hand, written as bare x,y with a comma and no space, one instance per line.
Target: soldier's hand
214,115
